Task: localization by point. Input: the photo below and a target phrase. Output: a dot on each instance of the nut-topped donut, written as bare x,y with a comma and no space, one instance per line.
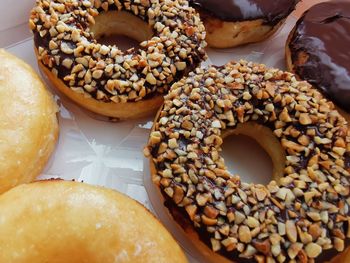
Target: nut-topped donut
102,78
303,214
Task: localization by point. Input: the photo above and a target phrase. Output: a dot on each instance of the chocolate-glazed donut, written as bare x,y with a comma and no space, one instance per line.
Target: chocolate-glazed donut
303,214
103,78
318,50
231,23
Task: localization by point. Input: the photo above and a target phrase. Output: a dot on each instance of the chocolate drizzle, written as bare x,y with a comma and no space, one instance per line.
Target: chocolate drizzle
238,10
347,161
320,50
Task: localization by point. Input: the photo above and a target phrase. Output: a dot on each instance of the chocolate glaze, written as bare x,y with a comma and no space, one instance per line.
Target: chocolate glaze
323,33
239,10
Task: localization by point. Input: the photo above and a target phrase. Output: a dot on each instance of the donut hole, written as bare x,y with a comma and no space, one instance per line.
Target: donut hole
253,152
245,157
120,28
123,42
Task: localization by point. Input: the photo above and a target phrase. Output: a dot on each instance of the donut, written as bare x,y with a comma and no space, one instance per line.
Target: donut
28,123
323,59
102,78
62,221
302,215
235,22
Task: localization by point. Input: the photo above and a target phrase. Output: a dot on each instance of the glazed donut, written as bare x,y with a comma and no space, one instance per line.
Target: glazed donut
102,78
234,22
323,59
61,221
302,214
28,123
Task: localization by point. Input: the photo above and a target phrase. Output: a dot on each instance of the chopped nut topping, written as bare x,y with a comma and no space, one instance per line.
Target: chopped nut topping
211,212
313,250
244,234
294,250
338,244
